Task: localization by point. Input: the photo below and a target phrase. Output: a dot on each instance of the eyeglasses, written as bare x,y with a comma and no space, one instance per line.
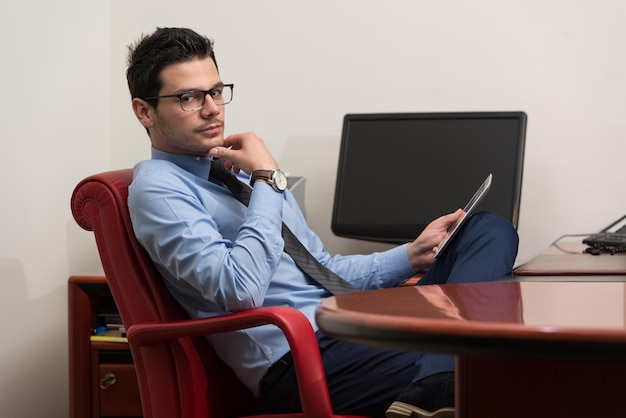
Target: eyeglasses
193,100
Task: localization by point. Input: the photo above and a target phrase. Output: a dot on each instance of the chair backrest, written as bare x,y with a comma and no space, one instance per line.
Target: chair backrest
177,378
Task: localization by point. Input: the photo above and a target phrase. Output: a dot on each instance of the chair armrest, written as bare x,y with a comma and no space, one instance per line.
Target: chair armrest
293,323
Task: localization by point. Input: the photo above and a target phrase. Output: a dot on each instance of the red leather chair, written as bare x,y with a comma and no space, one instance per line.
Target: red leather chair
178,372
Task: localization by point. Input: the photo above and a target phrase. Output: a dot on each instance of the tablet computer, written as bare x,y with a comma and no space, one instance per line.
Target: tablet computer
469,209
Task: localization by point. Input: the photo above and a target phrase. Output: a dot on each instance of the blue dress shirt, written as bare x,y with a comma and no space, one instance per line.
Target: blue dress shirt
218,256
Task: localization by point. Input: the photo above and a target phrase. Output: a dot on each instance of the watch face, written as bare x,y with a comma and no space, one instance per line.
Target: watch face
280,180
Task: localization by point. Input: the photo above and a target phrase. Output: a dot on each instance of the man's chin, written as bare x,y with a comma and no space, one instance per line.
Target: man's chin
205,151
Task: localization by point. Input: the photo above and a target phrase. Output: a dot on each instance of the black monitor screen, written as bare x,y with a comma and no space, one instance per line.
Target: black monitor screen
398,172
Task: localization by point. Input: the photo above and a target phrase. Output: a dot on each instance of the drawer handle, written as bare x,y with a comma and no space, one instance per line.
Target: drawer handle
107,381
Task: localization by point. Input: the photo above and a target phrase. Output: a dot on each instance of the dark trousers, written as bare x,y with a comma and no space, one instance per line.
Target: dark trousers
365,380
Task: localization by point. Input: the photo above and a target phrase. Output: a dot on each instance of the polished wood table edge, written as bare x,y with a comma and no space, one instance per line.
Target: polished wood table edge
476,338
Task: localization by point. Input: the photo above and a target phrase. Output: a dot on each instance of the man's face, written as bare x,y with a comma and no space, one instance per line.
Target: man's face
176,131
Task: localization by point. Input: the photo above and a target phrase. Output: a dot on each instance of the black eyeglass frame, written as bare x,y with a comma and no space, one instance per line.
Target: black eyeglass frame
210,92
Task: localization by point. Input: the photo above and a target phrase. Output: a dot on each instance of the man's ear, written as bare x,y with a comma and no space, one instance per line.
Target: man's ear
144,112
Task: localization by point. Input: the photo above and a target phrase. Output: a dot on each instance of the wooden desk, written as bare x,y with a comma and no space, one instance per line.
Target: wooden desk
567,257
540,349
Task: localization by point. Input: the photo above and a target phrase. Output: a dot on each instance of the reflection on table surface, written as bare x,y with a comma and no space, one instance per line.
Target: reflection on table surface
569,304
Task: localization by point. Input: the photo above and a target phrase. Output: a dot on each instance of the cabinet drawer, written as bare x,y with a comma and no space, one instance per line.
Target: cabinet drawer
118,391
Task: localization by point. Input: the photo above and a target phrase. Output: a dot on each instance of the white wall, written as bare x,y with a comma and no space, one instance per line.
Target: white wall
298,68
55,124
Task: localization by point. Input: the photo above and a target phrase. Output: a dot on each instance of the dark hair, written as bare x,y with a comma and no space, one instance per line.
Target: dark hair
151,53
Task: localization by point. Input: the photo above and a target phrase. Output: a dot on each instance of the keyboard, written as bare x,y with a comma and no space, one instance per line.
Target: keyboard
611,238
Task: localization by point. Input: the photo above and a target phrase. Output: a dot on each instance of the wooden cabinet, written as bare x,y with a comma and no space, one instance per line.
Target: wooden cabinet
102,380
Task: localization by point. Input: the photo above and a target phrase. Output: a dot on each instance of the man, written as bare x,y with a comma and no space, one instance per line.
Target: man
218,255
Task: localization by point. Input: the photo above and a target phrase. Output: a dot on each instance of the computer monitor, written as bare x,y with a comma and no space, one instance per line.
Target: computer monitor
398,172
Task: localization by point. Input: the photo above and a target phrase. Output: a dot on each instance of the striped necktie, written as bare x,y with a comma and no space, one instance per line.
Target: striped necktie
296,250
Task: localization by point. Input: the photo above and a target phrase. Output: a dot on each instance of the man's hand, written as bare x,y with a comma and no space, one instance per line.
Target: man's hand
245,152
421,252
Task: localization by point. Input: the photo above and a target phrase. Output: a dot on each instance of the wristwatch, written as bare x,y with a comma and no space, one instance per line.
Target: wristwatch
275,178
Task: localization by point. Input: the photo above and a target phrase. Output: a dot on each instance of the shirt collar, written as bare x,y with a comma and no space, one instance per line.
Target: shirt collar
198,166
